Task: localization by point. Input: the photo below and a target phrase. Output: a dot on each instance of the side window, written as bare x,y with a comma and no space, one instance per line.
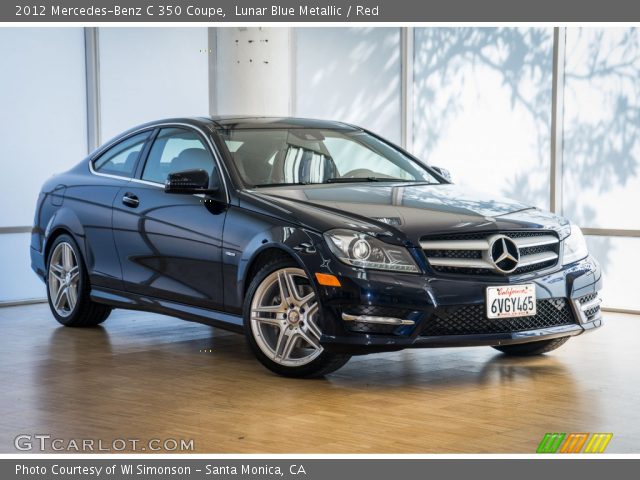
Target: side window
176,150
121,159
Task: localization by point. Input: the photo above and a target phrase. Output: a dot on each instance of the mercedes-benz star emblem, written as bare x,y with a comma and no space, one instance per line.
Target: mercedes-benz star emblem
504,254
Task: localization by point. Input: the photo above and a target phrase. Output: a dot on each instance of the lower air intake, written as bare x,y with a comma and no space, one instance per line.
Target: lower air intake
472,319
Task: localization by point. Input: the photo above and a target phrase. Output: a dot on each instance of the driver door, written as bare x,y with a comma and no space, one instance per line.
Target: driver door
170,245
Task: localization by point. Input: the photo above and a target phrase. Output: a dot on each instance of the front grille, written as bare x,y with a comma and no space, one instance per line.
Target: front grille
472,320
471,254
455,254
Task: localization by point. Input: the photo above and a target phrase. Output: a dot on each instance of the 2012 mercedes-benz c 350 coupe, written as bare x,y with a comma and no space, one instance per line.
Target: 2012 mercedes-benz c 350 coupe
319,240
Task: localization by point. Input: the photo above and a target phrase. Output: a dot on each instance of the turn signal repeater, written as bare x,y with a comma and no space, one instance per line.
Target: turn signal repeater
328,280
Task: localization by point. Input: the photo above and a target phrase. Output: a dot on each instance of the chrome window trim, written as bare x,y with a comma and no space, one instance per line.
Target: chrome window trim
104,148
147,182
214,152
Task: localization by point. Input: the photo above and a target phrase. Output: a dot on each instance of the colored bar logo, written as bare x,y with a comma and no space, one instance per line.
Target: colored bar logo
574,443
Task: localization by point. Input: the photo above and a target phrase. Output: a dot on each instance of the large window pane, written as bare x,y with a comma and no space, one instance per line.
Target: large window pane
43,117
482,107
620,263
151,73
350,74
602,127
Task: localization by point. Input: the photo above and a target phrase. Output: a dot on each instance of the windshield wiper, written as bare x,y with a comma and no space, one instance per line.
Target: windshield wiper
365,179
281,184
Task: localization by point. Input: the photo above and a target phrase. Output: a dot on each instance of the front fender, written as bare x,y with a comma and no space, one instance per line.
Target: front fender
248,236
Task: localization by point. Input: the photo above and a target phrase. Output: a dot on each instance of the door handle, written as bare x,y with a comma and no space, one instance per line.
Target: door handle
130,200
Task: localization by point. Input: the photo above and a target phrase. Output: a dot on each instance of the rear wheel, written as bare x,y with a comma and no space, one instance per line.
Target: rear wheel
533,348
281,320
68,287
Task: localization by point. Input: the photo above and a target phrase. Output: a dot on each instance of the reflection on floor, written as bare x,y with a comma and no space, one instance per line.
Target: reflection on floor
144,376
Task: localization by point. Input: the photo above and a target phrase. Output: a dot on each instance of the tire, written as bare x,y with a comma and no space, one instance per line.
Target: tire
66,270
532,348
284,335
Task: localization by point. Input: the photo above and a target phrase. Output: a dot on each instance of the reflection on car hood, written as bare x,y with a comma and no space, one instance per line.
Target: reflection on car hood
413,209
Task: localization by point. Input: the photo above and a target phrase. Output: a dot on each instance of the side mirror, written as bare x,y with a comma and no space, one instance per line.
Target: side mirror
446,174
189,181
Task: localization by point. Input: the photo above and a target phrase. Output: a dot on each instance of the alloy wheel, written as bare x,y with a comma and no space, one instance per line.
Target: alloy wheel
64,275
284,318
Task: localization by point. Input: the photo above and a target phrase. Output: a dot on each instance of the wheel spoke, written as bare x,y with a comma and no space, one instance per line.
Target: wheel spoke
269,309
312,308
62,294
291,285
258,313
57,271
268,321
74,274
67,257
309,339
72,297
307,298
290,345
312,311
282,285
286,341
313,329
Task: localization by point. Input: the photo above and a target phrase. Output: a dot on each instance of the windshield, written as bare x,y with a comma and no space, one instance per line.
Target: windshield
272,157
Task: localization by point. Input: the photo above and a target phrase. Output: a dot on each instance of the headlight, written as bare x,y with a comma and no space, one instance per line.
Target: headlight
574,246
365,251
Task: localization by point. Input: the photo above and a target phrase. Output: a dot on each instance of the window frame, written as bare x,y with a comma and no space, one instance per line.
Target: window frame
210,144
147,151
105,149
244,184
206,141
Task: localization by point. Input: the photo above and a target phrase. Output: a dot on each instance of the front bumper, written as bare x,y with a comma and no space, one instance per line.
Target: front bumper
448,312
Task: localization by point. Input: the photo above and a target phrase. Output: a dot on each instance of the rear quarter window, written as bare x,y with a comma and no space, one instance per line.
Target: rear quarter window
122,158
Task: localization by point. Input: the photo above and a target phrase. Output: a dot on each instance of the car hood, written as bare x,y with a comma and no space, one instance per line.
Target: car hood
414,210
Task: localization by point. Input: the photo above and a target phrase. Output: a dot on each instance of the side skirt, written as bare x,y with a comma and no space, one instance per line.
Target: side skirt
130,301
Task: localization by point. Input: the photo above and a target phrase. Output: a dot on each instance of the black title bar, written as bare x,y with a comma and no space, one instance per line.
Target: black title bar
320,11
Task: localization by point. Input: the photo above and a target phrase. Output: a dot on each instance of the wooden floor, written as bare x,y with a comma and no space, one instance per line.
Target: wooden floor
145,376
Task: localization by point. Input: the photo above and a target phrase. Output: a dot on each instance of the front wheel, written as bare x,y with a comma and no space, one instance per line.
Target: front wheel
532,348
281,320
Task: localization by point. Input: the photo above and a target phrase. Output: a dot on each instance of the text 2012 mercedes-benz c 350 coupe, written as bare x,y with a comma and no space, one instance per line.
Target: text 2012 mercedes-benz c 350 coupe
319,240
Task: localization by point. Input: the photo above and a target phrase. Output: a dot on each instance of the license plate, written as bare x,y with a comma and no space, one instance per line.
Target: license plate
511,301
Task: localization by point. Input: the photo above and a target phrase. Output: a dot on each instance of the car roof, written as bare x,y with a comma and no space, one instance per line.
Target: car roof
226,122
254,122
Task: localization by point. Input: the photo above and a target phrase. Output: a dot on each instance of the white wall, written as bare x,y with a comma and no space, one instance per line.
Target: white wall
43,124
151,73
42,131
352,75
253,71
